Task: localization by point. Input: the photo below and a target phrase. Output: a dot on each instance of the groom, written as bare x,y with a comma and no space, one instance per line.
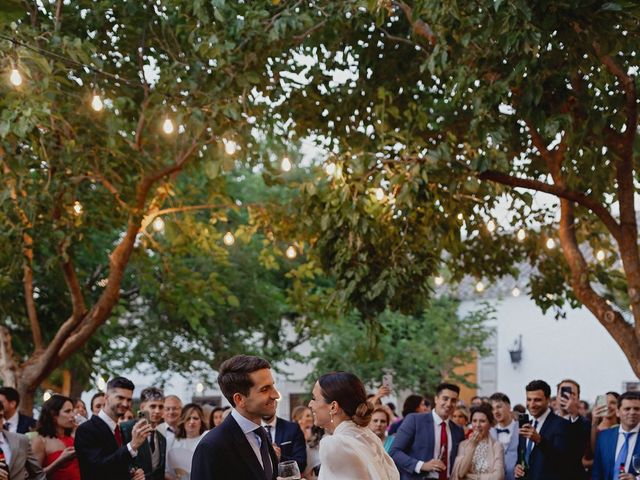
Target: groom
239,448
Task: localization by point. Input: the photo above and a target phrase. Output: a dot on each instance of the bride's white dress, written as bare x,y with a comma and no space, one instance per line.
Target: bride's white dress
354,453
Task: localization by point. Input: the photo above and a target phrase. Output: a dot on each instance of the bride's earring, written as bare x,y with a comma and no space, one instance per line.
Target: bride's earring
331,415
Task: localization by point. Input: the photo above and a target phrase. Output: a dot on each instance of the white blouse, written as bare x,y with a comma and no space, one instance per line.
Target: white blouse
355,452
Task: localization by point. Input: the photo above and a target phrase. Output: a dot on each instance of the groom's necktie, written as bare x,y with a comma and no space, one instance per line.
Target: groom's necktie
264,453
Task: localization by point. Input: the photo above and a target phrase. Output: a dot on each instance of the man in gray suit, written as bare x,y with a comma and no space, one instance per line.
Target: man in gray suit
505,432
18,456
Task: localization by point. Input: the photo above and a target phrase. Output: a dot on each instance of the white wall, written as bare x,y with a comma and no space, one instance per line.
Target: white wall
576,347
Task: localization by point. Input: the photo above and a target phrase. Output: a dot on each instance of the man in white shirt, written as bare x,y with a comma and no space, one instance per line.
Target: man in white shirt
616,446
427,443
239,446
171,416
19,462
100,449
505,432
14,421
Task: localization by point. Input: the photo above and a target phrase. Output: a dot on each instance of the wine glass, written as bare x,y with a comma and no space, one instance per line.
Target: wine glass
288,470
635,462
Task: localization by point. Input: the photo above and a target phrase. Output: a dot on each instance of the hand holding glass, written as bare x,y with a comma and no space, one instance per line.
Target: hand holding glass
288,470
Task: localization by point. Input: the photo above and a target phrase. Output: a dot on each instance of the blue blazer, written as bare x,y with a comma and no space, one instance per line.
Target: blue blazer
290,439
415,442
25,424
511,450
550,459
604,456
225,453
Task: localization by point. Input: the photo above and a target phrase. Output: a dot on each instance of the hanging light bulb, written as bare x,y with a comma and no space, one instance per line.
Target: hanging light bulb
228,239
438,280
101,383
77,208
379,194
479,287
521,235
330,169
230,147
15,78
515,292
96,103
285,165
47,395
158,224
460,216
601,255
199,387
291,252
167,126
551,244
491,226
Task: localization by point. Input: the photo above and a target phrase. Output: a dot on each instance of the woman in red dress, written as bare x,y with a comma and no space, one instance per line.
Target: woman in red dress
53,446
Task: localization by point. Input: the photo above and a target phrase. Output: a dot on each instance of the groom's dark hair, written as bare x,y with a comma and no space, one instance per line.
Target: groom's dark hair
234,373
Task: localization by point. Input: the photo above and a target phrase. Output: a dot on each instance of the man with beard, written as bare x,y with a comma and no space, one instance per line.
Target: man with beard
239,447
100,449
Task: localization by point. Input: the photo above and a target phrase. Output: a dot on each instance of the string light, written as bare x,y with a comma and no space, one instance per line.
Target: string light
438,280
15,78
158,224
551,244
229,239
103,282
600,255
491,226
96,103
460,216
521,235
230,146
199,387
479,287
285,165
47,395
379,194
77,208
291,252
167,126
515,292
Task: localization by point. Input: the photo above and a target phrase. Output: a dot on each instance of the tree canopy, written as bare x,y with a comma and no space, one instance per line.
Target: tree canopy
445,122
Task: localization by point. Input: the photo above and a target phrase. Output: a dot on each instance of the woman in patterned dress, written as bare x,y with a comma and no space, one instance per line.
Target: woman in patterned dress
480,457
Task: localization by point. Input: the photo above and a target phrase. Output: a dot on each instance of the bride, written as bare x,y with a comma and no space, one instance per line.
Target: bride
339,405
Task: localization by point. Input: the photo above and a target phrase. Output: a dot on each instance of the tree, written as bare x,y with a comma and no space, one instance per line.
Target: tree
420,351
438,116
80,188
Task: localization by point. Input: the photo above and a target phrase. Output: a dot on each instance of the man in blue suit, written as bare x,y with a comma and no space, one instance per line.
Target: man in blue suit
14,421
287,440
616,446
544,441
427,443
505,432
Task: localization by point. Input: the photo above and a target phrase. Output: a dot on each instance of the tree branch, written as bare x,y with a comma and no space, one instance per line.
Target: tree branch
27,283
580,198
77,299
8,366
420,27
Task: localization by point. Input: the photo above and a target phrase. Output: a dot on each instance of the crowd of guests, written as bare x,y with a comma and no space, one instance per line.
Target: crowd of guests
342,434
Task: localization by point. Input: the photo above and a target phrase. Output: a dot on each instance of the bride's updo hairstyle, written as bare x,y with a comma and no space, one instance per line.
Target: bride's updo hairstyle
348,390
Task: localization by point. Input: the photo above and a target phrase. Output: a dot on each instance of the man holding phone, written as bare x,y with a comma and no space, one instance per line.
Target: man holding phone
153,452
580,428
545,440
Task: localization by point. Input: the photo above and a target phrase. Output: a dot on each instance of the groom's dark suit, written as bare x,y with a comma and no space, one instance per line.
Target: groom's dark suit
225,454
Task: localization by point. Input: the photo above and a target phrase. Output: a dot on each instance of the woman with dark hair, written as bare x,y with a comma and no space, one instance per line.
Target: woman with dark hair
216,417
191,428
53,446
480,457
339,405
412,404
